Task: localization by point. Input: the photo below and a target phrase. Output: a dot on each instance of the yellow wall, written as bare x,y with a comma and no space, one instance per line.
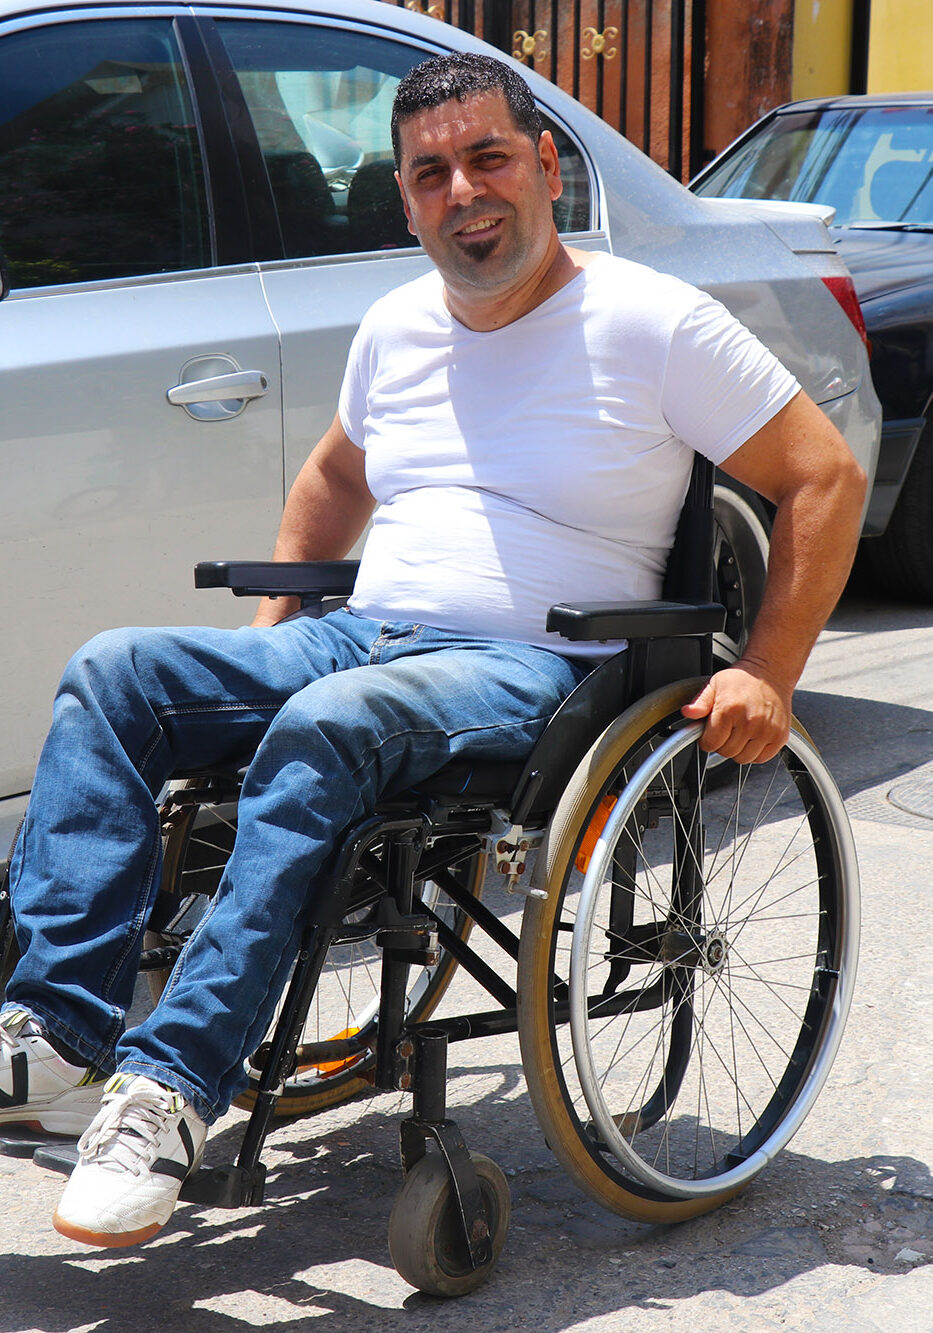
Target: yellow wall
823,44
900,52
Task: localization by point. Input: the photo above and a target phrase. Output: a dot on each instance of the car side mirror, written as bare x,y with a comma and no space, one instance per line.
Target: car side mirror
4,277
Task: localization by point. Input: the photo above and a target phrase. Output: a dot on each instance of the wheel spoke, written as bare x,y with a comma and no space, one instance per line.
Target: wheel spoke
697,1014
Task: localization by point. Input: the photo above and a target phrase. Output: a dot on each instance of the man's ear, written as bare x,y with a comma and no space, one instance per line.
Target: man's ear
401,190
550,164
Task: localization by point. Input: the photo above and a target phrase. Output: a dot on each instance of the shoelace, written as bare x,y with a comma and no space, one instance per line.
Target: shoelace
127,1128
14,1026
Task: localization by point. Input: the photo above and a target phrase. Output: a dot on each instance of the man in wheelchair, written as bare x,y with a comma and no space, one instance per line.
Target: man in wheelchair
520,425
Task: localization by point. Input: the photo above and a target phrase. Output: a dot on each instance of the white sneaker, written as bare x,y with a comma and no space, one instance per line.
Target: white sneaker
38,1087
133,1159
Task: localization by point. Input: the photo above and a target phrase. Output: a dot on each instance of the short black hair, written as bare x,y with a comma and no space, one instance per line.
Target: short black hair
455,77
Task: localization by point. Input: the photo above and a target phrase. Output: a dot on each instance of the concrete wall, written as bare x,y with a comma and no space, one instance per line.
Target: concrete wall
822,47
900,52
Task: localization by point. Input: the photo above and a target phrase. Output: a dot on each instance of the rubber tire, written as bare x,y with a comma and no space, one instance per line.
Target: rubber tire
425,1237
740,559
540,1058
296,1099
899,563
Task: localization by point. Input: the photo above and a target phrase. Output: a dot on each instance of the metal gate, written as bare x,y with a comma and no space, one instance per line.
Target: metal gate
639,64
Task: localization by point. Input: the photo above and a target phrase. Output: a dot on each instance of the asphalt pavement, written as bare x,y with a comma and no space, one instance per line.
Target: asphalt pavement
837,1234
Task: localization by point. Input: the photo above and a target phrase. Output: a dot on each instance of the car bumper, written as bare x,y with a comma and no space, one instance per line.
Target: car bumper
857,416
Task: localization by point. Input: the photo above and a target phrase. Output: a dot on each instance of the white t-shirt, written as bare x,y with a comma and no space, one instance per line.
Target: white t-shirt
546,461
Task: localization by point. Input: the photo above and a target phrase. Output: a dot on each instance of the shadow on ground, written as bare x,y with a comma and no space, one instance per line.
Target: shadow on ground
315,1257
866,742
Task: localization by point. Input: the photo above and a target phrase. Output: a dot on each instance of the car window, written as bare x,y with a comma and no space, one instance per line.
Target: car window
572,210
321,102
100,169
873,165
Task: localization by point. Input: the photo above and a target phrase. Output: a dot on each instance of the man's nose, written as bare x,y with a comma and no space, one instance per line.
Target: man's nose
463,188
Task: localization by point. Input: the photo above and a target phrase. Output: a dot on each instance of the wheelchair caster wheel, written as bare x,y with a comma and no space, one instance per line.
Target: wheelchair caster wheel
425,1234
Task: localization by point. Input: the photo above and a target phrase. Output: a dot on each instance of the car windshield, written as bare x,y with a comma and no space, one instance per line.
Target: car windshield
874,165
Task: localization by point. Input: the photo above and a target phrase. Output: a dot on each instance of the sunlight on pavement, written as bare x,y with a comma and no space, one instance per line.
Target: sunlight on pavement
258,1308
373,1283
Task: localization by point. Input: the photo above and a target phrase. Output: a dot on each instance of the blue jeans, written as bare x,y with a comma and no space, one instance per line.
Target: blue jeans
136,705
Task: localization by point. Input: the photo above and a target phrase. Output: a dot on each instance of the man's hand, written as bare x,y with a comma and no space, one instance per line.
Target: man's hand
801,463
274,610
748,716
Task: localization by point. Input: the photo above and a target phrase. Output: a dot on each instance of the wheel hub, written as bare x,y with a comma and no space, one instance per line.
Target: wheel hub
695,950
715,952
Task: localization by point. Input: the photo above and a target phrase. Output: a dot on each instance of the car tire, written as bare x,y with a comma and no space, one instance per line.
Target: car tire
742,539
899,563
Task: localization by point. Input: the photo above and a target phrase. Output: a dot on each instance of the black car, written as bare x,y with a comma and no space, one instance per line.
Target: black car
871,159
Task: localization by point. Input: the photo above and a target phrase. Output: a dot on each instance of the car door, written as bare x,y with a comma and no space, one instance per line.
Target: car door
140,427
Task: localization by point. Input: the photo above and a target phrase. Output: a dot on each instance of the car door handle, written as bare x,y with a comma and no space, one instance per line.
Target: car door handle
241,384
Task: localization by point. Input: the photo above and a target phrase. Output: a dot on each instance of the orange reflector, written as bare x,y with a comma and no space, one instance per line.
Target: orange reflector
331,1067
591,836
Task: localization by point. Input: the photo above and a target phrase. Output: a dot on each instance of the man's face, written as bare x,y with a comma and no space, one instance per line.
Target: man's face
477,191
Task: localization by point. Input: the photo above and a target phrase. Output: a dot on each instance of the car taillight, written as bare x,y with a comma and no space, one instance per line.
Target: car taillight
843,288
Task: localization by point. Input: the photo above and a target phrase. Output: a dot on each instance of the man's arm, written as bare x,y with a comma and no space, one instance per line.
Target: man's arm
326,510
803,465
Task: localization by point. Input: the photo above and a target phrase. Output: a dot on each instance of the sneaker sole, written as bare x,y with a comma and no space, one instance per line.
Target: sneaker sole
108,1240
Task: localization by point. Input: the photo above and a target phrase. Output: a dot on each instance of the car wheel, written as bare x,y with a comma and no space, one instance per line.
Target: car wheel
900,561
740,558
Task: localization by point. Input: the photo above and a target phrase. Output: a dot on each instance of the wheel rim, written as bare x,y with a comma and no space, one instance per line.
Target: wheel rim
763,1021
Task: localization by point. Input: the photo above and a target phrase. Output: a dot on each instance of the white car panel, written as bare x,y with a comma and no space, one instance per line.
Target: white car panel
110,493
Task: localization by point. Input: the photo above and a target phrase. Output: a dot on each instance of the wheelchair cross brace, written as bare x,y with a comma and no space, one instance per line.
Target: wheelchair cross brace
412,1059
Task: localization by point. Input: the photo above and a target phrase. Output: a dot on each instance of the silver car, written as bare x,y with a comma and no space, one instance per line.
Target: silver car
197,206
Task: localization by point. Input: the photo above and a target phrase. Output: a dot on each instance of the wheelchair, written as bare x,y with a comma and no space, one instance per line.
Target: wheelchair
683,970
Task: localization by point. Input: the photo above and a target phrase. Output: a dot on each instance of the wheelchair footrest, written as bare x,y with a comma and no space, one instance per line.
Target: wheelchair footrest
24,1142
210,1186
225,1186
61,1157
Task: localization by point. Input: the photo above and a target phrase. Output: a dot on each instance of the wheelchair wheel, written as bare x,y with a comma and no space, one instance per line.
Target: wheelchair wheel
426,1238
680,1005
741,544
197,844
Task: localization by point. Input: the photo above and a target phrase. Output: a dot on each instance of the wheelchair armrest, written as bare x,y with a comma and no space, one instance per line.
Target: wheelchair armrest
587,621
278,578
